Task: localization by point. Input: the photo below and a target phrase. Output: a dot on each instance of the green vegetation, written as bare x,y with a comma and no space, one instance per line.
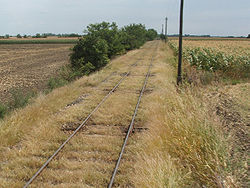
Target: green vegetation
91,52
208,59
3,110
56,82
134,36
151,34
19,100
104,41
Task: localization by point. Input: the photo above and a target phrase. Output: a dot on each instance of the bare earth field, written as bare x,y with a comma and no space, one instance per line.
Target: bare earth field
28,67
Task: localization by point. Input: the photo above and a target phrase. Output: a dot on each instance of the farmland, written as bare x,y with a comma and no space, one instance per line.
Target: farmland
231,57
48,40
235,47
27,67
200,116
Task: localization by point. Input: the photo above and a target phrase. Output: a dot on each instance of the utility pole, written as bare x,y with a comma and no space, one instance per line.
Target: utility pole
162,29
166,30
179,77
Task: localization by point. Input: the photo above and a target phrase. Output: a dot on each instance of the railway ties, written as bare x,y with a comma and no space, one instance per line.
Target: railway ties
89,158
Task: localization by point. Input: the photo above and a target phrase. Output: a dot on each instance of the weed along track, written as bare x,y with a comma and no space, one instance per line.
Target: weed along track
94,143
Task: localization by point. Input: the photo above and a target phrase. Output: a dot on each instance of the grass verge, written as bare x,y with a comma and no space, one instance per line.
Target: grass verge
184,147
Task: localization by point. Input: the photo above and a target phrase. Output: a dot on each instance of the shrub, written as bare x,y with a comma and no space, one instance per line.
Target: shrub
3,110
134,36
110,33
89,54
20,99
56,82
103,41
151,34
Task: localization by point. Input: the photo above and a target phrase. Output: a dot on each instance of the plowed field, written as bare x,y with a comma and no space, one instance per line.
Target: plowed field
28,67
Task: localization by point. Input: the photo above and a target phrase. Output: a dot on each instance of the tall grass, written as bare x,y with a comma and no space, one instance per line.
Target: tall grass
183,147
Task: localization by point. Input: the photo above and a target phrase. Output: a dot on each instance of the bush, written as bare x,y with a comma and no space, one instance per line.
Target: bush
151,34
103,41
56,82
3,111
108,32
89,54
19,99
134,36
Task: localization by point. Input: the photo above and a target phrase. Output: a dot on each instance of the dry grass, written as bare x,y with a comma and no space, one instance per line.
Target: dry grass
29,136
183,147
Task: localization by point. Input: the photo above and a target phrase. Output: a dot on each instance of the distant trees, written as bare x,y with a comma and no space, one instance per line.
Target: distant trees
151,34
248,36
69,35
19,36
38,35
134,36
103,41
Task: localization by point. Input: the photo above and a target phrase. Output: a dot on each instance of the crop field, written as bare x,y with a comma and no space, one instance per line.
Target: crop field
48,40
231,57
27,67
235,47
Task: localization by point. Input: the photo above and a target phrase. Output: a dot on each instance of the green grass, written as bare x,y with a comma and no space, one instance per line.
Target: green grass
39,41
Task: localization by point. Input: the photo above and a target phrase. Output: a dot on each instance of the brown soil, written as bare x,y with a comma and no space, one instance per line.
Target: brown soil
28,67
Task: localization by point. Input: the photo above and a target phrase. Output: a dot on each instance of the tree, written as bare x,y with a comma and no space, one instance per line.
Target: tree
248,36
38,35
19,36
89,54
134,36
103,41
110,33
151,34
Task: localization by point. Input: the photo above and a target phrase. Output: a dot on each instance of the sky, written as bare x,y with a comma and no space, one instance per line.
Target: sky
202,17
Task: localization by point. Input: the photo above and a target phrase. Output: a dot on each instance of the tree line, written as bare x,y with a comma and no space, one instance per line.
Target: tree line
43,35
102,41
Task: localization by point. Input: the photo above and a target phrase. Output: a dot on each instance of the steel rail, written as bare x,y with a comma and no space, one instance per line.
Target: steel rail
83,124
131,126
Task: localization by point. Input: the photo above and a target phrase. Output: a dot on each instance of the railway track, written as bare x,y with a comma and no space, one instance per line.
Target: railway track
105,141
